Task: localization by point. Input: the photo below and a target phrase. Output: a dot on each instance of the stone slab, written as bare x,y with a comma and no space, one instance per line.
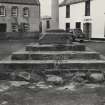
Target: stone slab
48,47
52,65
56,31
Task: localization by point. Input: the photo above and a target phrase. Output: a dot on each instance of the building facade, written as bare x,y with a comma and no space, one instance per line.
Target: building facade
89,15
19,15
46,23
51,22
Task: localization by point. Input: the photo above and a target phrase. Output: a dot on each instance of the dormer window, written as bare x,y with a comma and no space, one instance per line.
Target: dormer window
14,11
2,11
26,12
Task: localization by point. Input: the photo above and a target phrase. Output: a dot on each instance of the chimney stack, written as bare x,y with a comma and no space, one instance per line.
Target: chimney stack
55,14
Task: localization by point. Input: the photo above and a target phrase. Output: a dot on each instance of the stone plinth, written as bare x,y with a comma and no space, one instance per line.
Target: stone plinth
56,38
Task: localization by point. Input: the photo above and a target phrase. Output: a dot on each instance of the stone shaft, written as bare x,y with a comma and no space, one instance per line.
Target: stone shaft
55,14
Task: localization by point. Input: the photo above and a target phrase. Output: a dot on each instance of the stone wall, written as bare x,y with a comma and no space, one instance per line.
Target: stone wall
19,35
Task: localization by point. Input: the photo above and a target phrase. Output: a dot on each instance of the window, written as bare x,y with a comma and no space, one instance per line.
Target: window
47,24
3,27
78,25
87,8
25,27
2,11
14,27
26,12
14,11
67,26
67,11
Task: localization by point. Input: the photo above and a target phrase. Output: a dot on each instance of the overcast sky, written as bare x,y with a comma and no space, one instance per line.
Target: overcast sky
46,7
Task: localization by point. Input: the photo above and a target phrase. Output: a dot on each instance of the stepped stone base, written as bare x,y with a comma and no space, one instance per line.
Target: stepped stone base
54,54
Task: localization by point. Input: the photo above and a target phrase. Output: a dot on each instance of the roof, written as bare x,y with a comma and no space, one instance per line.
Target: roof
67,2
25,2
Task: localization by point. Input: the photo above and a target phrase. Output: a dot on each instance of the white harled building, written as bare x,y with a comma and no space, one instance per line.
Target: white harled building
89,15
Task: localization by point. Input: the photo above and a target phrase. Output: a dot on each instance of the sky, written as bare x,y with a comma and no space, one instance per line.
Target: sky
46,7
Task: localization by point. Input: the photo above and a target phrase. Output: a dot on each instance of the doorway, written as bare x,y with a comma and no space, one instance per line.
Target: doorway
67,26
3,27
47,24
78,25
87,30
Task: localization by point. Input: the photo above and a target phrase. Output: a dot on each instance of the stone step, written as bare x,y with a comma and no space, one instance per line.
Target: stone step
54,55
56,31
56,38
48,47
52,65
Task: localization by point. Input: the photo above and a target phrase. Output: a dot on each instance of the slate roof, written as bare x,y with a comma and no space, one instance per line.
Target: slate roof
66,2
25,2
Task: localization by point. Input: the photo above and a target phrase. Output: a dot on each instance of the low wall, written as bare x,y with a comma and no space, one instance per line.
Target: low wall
98,39
19,35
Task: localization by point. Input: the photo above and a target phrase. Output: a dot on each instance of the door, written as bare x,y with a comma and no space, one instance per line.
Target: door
67,26
87,30
78,25
47,24
3,27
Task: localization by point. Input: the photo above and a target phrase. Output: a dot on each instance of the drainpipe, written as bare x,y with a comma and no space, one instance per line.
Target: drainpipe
104,24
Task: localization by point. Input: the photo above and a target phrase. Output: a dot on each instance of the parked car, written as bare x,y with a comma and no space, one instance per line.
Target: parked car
77,35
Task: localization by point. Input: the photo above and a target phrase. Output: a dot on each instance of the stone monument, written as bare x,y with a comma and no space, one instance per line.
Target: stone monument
54,35
55,54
